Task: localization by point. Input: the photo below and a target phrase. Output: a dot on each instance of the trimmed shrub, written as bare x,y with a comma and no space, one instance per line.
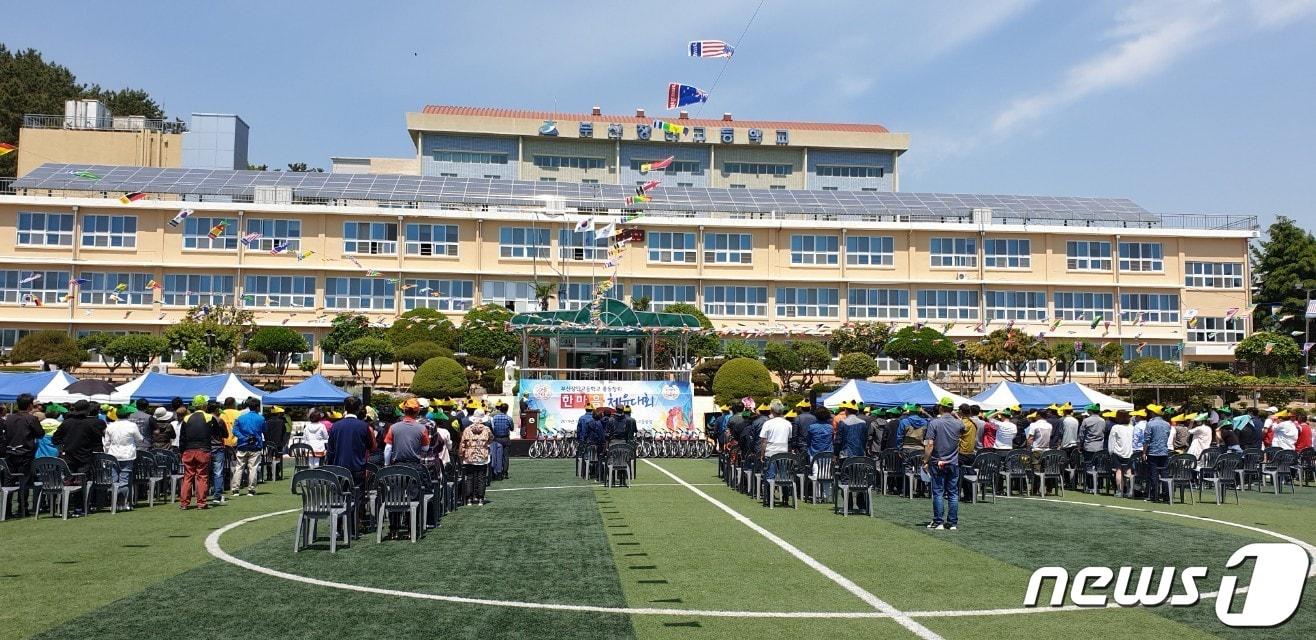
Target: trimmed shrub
741,377
440,378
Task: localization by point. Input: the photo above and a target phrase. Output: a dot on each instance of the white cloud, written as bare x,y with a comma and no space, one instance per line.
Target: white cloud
958,24
1279,13
1148,40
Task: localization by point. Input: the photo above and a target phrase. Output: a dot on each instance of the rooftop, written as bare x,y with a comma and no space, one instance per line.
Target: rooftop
493,112
433,192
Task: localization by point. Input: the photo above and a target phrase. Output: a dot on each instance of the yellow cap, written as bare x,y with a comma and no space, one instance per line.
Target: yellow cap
791,414
1156,409
1108,414
803,404
764,407
1140,413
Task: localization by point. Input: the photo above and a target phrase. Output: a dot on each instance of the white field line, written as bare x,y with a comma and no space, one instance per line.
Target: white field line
845,583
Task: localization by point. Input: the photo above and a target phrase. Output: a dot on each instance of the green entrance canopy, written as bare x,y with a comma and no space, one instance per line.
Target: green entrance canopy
606,318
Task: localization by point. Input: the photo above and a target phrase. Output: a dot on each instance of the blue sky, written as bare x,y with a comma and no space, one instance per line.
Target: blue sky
1186,107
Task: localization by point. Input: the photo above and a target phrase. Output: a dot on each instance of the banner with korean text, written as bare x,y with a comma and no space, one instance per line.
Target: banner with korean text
660,406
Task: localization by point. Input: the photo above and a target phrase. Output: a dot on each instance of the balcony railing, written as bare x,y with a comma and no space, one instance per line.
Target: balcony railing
7,186
113,123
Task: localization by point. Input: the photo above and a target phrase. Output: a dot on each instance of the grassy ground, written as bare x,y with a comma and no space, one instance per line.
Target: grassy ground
653,545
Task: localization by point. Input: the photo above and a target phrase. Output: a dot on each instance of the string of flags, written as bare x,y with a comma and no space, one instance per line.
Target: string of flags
6,149
680,95
711,49
129,198
182,215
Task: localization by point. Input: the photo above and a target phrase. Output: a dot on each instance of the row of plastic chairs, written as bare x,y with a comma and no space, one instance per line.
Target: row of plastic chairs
613,465
329,493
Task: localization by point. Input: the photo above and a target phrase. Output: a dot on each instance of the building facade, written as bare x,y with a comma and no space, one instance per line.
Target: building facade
596,148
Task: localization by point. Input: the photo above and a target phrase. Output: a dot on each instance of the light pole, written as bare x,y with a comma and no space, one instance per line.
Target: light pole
210,351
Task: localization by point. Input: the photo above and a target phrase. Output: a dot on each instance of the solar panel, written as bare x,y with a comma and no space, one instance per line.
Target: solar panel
440,189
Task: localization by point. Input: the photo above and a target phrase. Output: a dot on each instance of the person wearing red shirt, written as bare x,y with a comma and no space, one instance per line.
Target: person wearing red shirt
1304,431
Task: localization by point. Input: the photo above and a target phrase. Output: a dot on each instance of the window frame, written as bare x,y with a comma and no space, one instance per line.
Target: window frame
1074,261
62,234
955,258
1167,314
877,310
660,254
1196,277
196,233
658,303
446,300
957,311
98,293
805,252
1022,257
385,247
711,256
127,239
747,305
529,250
1073,313
290,299
267,240
885,256
199,296
813,306
1010,310
350,300
1152,264
449,245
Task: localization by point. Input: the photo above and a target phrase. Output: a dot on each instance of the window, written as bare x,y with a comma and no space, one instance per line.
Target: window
666,246
10,337
736,301
578,295
736,186
181,290
275,232
449,175
776,186
196,234
359,294
101,288
1217,330
1141,256
370,238
1214,275
279,291
431,240
45,229
470,157
509,294
1016,305
1087,255
444,295
801,302
954,252
31,287
1166,352
827,188
309,354
1080,306
589,181
582,246
661,295
879,304
569,162
1002,253
728,248
870,251
818,250
109,231
947,304
756,168
1149,307
850,171
677,166
522,242
547,179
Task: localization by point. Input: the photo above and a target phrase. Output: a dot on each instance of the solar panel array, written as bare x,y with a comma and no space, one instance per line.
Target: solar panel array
480,191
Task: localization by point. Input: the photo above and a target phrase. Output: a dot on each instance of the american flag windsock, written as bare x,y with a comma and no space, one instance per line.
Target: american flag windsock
710,49
250,238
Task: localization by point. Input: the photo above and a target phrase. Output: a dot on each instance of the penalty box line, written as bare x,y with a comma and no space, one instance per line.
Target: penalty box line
845,583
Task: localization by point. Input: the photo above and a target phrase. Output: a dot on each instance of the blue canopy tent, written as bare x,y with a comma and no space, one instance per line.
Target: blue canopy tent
1028,396
162,387
890,394
13,385
311,392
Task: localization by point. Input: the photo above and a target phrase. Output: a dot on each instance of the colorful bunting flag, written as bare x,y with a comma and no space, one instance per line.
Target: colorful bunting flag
646,167
31,278
1141,345
129,198
668,127
304,254
633,200
1055,324
711,49
121,287
219,229
154,285
34,300
371,273
6,148
646,187
1306,346
78,282
606,231
680,95
182,215
85,175
250,238
1096,320
278,248
1270,346
1230,313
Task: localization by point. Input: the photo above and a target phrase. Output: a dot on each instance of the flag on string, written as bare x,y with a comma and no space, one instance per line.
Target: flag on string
1230,313
1306,346
371,273
1055,324
585,225
1274,309
1270,346
182,215
219,229
78,282
1096,320
279,247
1141,345
85,175
250,238
302,255
607,230
711,49
646,187
668,127
129,198
1078,346
153,284
1286,317
680,95
634,200
6,148
31,278
354,261
646,167
121,287
35,300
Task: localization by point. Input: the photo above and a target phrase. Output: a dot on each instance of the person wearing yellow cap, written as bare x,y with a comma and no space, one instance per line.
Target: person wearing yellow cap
1092,436
851,432
1120,445
1157,440
800,427
941,445
1180,423
1199,435
1038,434
1284,433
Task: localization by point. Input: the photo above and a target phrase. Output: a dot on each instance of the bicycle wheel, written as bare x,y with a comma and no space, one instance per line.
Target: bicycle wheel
536,449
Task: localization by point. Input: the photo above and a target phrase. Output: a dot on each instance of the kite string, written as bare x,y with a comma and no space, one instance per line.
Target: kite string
727,62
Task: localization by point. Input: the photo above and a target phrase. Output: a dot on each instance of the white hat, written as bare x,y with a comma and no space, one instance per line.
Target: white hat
1271,409
162,413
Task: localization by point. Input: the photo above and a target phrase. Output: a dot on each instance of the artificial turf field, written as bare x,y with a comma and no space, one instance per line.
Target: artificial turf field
659,547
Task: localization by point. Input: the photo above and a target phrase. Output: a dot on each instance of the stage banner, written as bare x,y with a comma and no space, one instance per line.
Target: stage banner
655,405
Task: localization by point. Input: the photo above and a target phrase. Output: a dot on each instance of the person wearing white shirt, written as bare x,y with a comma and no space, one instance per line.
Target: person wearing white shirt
775,434
122,439
1285,432
1005,432
1120,446
1039,434
1199,438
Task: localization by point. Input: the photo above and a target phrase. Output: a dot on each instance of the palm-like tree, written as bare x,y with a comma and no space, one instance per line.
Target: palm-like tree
544,291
